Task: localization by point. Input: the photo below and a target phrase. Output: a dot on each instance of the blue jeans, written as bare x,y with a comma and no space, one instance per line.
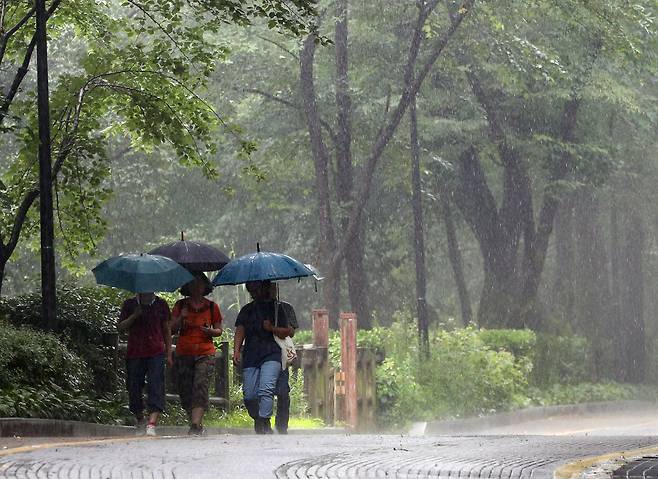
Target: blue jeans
283,400
152,372
258,387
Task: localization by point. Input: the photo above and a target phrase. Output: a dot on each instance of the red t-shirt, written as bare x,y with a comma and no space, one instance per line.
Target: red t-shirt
192,341
146,336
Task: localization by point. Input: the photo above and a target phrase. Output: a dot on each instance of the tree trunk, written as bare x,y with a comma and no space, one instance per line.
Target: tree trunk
419,240
327,242
48,279
616,278
357,281
563,279
633,300
593,287
3,264
455,256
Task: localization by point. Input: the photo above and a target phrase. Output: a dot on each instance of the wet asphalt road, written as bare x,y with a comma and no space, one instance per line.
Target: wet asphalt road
497,453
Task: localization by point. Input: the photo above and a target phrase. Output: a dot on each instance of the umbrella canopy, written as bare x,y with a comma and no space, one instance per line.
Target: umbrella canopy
193,255
142,273
261,266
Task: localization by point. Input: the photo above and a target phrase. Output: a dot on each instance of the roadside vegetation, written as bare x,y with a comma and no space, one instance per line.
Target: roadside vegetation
469,372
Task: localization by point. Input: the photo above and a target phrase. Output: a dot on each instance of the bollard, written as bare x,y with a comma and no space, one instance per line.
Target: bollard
348,366
320,328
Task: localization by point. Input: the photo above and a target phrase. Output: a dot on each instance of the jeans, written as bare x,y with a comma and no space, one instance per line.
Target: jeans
282,400
258,387
152,372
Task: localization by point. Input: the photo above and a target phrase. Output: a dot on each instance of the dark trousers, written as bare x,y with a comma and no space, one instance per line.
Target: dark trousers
282,393
149,371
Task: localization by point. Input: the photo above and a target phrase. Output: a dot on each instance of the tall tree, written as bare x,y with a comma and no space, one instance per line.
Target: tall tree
48,295
121,86
418,234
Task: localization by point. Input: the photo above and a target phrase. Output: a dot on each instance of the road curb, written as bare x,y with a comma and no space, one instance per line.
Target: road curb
25,427
575,470
88,442
471,425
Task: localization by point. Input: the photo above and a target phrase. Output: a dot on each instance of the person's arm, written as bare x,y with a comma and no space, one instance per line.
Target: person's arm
216,327
292,319
178,315
238,339
127,323
166,332
282,330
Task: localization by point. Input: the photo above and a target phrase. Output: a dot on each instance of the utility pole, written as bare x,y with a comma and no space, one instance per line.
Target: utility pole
48,293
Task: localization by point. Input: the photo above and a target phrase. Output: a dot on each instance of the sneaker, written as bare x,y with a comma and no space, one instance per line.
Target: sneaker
150,430
197,430
140,427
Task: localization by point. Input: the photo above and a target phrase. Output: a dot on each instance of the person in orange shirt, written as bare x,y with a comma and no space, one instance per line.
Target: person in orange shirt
197,320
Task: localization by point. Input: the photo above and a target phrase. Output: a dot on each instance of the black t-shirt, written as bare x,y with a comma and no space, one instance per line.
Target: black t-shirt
259,345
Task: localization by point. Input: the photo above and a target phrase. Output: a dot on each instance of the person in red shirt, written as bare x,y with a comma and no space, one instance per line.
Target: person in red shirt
198,320
146,319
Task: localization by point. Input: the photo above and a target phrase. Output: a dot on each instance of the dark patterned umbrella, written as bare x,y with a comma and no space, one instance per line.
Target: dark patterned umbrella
193,255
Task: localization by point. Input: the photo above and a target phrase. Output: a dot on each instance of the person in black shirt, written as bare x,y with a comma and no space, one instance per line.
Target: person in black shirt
260,358
282,391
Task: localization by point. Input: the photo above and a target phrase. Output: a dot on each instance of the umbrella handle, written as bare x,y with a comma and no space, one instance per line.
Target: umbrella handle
182,236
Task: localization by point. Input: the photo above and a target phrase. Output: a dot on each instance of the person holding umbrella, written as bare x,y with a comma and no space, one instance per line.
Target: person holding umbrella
146,319
198,321
282,391
260,358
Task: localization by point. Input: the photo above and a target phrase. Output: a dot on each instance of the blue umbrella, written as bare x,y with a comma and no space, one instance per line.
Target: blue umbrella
261,266
142,273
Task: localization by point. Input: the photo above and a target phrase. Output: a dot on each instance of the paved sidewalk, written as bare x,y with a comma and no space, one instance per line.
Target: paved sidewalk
358,456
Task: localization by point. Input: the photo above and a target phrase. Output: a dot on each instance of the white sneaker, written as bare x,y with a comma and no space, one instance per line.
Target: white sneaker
150,430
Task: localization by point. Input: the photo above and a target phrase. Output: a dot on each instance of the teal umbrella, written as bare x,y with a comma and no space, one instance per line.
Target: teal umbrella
142,273
260,266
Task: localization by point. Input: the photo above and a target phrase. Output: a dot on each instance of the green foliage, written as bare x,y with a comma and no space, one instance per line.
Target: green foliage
520,342
86,315
591,392
40,377
464,375
561,360
35,358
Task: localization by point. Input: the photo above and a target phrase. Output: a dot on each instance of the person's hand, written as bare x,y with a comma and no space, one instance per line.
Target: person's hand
282,333
170,359
237,359
267,325
207,330
138,311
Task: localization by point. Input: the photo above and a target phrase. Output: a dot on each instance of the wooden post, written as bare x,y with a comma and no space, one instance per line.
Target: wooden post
320,328
348,366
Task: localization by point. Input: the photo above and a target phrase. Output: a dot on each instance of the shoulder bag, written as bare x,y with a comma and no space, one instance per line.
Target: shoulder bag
288,351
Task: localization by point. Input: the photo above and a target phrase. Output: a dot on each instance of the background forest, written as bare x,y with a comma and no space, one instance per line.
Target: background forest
443,164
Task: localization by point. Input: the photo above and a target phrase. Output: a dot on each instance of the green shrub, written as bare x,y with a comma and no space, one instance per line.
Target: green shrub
591,392
462,377
85,315
561,359
520,342
32,358
40,377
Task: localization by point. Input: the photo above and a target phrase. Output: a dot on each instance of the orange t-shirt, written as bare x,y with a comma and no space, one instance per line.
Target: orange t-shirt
191,340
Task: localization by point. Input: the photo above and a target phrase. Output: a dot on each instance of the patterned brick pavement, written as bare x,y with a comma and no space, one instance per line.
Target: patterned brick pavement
335,456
